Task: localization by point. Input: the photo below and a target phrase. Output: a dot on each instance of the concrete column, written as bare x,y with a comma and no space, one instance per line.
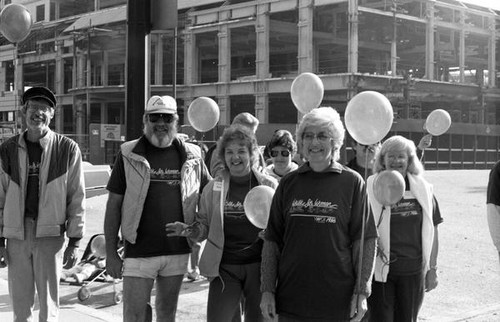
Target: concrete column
461,50
191,71
59,87
353,41
105,68
158,63
262,27
429,42
305,30
224,36
492,53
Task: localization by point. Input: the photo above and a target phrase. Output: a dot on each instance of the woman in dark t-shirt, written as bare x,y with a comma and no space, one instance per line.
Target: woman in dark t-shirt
406,262
310,259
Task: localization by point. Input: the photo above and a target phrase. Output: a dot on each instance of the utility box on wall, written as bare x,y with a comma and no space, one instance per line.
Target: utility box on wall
104,142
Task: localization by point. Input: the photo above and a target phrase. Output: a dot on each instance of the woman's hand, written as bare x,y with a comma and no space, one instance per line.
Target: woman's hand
268,306
178,229
359,306
431,281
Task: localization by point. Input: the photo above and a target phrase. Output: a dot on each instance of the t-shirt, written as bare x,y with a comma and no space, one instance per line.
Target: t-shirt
32,195
162,205
241,242
406,233
315,218
493,193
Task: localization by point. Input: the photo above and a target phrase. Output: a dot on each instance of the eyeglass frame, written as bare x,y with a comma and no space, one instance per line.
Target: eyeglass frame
321,137
167,118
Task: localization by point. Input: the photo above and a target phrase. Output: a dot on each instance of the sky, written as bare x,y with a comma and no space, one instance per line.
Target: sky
495,4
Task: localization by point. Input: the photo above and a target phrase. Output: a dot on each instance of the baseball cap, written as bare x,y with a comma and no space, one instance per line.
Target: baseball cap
161,104
40,92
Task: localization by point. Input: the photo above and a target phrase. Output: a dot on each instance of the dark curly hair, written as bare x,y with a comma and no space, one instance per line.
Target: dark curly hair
244,136
284,139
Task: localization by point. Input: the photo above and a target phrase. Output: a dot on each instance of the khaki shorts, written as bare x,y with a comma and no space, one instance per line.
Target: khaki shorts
152,267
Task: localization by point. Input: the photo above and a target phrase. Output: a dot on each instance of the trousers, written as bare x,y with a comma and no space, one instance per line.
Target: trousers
34,263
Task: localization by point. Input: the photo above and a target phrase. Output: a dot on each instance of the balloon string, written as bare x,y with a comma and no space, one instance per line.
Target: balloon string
422,156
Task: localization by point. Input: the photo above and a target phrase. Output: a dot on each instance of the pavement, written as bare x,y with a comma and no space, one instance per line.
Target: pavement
469,271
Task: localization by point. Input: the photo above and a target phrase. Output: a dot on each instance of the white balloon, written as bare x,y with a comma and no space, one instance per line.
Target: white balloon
307,92
15,22
368,117
257,205
438,122
389,187
203,114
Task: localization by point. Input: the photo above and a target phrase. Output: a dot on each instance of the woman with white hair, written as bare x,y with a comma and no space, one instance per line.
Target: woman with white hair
310,259
406,260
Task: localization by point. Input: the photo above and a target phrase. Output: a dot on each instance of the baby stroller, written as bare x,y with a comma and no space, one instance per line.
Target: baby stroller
92,268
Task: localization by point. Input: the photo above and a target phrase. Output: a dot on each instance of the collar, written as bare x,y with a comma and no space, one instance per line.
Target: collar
333,167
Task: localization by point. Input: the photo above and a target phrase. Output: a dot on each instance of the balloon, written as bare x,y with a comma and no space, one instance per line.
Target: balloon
389,187
438,122
98,246
257,205
203,114
368,117
15,22
307,92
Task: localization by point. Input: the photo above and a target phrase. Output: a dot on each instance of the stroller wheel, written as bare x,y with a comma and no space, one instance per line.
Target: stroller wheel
84,294
118,297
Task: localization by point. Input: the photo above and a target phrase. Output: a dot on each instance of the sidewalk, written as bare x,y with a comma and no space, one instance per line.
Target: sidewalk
74,312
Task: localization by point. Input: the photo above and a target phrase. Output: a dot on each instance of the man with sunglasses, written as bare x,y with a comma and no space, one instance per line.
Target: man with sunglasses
156,179
42,196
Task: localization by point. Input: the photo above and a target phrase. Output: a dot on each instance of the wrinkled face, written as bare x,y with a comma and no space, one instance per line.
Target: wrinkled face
317,145
281,157
365,154
38,114
160,129
397,160
237,158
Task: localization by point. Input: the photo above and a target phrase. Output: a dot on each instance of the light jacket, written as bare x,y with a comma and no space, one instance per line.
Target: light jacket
210,219
423,192
194,175
61,206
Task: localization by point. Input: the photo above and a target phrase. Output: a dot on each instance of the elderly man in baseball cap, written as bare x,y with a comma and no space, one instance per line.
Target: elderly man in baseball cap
156,180
42,195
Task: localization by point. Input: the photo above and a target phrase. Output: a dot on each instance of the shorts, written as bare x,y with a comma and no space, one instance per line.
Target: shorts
152,267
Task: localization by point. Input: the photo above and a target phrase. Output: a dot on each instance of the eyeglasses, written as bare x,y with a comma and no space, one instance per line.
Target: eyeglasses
309,137
284,153
167,118
38,107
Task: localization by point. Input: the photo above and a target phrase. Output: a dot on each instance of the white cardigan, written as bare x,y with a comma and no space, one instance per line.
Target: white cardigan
423,192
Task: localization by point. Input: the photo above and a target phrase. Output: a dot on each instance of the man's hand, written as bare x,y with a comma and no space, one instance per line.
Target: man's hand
114,265
70,257
268,306
359,306
178,229
4,261
431,281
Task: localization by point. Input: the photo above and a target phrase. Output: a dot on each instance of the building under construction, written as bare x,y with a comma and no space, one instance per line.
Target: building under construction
421,54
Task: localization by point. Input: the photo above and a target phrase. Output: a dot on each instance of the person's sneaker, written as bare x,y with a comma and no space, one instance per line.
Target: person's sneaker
193,275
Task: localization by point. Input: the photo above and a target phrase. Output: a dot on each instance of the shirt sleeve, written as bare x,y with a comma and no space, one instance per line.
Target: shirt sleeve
493,192
117,183
276,225
436,213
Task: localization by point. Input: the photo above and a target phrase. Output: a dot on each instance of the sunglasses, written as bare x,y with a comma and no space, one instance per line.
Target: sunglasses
167,118
284,153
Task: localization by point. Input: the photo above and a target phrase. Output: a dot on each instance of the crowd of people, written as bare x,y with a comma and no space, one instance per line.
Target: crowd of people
331,250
